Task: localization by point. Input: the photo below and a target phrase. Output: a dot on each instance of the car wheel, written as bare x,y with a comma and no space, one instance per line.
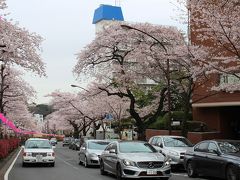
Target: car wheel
119,172
79,162
85,162
231,173
102,171
24,164
53,164
191,170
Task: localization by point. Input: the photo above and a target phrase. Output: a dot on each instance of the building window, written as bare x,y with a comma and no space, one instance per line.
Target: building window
229,79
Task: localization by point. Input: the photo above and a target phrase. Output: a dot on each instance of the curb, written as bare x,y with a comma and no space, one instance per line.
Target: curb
5,163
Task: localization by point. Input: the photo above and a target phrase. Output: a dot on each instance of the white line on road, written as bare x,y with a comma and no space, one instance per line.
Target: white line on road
11,166
67,163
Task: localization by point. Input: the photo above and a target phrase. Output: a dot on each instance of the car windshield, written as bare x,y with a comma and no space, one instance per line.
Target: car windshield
136,147
99,145
176,142
229,147
38,144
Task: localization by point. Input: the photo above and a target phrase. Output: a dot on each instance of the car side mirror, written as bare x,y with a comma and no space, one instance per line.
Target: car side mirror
160,145
217,152
112,151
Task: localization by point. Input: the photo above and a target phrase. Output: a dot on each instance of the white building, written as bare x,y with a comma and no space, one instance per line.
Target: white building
106,15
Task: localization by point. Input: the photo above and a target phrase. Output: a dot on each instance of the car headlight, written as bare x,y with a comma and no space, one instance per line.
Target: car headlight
28,154
167,163
50,154
173,153
128,162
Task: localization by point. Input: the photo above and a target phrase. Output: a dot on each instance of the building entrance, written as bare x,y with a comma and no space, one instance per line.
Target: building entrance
230,122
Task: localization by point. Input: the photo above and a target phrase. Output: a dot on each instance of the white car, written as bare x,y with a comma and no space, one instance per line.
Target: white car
37,150
174,147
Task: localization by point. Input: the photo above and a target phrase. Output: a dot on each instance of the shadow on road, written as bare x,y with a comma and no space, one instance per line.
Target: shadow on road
37,166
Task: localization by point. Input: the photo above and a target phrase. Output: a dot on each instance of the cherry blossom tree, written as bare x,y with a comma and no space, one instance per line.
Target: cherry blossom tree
82,111
71,109
18,47
215,25
14,95
2,4
122,58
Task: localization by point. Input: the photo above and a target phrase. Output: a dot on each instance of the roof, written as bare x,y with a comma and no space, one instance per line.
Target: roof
216,104
107,12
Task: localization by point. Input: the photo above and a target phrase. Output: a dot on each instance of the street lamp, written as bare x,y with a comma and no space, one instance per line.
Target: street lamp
73,85
124,26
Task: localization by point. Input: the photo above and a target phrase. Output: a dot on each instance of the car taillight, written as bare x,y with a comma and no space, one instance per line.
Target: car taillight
24,154
53,154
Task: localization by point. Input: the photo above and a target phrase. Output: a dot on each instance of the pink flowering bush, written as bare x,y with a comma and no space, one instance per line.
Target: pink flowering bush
7,146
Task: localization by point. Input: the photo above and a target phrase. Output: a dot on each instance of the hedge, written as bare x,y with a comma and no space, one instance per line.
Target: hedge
7,146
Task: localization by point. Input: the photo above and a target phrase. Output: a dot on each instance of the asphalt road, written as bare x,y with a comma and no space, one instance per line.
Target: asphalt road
67,168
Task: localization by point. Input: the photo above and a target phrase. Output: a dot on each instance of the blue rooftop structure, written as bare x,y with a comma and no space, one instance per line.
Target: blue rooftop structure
108,12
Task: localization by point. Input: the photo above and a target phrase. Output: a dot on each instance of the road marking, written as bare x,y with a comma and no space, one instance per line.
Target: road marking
11,166
176,174
66,163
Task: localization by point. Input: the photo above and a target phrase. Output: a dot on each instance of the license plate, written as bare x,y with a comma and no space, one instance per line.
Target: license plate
151,172
39,158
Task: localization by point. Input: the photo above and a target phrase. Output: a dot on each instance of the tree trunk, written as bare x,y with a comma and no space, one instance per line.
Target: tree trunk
187,107
141,130
76,132
184,122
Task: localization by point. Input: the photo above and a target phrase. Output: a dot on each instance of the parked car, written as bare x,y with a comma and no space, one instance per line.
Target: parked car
174,147
66,141
73,140
53,141
76,145
84,138
90,151
215,158
134,159
72,144
37,150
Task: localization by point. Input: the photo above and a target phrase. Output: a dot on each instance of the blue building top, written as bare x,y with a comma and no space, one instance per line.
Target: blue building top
108,12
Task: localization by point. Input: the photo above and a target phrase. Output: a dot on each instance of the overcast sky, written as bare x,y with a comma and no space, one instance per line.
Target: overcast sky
66,26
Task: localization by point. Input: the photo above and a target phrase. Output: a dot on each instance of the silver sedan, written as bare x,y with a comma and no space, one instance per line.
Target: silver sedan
134,159
90,151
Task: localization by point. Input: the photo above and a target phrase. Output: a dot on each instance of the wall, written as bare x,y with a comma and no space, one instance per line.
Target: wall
208,115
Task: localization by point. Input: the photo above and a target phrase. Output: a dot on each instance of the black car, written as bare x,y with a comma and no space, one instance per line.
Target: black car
215,158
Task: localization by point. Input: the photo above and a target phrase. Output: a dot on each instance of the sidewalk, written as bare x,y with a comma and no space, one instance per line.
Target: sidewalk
5,163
